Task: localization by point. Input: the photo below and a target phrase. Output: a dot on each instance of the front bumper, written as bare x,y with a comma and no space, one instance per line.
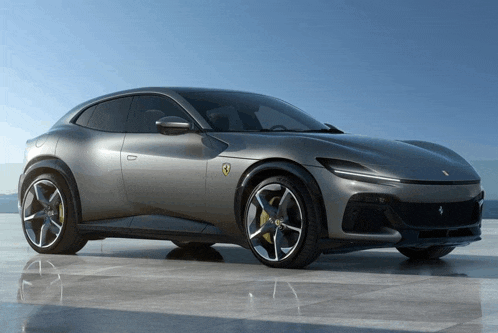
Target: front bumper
407,224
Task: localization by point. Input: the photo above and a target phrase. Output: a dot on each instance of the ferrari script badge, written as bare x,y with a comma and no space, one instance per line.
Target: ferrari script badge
225,168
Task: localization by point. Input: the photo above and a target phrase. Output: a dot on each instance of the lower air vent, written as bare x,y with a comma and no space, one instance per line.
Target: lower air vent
443,233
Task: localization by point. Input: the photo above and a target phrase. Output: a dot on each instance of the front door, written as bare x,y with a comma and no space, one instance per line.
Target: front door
163,174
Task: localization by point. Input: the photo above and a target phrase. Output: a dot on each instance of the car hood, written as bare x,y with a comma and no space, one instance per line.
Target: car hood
409,160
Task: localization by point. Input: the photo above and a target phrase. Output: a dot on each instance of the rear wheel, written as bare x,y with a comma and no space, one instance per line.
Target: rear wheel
282,223
49,216
432,252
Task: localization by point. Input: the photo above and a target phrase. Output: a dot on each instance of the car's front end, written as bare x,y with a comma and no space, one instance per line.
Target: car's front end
401,194
365,215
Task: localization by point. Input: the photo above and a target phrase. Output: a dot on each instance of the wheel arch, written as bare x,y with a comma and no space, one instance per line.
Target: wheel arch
273,167
49,164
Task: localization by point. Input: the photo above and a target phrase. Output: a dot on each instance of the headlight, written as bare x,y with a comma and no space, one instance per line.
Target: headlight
354,171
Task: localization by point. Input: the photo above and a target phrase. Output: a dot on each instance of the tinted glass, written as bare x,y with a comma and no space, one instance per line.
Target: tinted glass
85,116
110,116
234,111
146,109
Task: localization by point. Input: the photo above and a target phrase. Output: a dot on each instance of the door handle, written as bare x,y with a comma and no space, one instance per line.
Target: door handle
131,157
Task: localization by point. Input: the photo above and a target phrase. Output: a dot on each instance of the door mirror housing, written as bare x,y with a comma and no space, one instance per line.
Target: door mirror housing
173,125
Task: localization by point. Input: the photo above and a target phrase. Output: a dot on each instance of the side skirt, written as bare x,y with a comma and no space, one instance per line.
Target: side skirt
156,227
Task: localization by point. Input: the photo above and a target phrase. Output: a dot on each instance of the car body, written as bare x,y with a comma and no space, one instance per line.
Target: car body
202,166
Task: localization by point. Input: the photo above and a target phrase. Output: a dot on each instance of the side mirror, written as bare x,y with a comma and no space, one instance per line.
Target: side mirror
173,125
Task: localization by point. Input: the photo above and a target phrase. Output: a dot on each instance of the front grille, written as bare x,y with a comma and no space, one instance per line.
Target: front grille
370,213
438,215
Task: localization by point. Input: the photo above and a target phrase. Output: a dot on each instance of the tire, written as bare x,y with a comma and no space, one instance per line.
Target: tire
191,245
49,218
282,223
433,252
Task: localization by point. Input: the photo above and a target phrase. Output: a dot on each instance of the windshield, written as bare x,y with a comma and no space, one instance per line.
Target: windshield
240,112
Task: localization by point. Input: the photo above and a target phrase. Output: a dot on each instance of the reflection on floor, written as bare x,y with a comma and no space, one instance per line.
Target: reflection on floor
133,285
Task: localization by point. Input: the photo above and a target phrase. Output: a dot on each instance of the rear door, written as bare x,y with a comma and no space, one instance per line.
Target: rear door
93,153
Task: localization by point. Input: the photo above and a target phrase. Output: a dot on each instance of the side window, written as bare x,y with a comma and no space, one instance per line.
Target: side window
85,116
146,109
109,116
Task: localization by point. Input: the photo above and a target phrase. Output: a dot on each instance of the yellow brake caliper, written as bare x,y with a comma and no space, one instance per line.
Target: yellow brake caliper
61,214
265,217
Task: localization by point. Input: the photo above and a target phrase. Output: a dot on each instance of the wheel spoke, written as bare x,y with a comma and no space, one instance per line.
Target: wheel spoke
272,211
284,203
56,225
40,196
54,199
31,233
277,243
289,227
265,228
37,215
43,234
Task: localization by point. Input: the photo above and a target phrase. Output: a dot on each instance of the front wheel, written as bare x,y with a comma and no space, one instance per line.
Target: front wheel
49,218
282,223
432,252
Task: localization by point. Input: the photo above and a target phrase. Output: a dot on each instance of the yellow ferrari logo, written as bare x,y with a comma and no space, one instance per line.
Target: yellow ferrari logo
225,168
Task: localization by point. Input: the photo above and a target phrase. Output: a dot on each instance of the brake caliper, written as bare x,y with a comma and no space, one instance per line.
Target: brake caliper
264,217
61,214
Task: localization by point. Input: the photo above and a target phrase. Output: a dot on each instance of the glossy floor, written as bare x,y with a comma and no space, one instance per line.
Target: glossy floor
120,285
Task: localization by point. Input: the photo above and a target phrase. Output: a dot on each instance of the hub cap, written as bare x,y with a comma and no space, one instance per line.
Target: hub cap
43,213
274,222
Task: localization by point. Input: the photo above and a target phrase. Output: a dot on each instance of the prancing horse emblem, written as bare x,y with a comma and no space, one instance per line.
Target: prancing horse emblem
441,211
225,168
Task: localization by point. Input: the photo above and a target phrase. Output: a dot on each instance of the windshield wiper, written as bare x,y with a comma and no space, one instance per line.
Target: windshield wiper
322,130
272,131
325,130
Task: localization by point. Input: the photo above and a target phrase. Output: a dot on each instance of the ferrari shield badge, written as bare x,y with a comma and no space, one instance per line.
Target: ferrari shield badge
225,168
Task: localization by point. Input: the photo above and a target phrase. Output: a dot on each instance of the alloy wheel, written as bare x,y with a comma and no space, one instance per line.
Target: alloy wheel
274,222
43,213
